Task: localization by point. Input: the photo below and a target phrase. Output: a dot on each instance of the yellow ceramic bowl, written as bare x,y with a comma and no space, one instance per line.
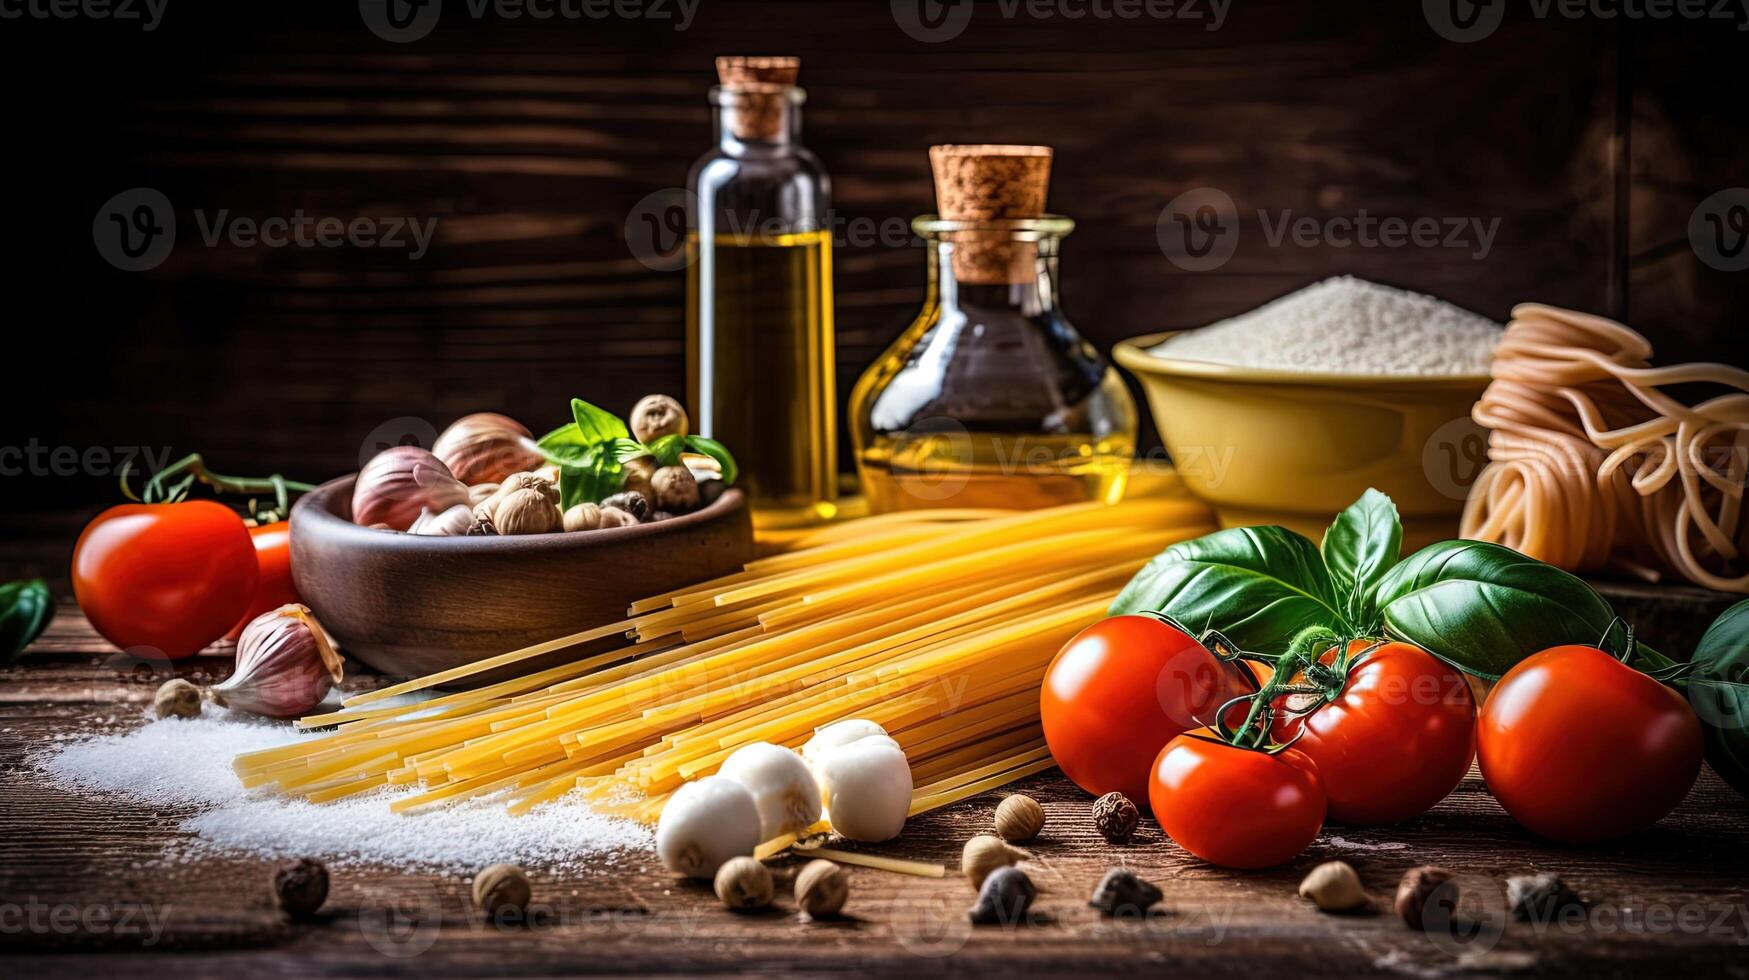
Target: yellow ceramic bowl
1277,447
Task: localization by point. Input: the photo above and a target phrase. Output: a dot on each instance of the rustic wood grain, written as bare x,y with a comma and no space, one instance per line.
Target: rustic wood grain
624,914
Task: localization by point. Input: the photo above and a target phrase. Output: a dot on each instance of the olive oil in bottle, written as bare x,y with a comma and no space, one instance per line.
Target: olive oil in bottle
759,315
759,332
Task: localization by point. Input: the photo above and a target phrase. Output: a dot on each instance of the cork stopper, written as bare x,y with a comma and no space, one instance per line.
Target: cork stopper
761,90
976,183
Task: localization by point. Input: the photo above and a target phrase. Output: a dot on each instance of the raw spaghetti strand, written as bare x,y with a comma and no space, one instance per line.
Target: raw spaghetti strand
1592,464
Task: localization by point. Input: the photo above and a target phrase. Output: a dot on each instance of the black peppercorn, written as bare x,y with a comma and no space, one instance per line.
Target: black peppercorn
301,888
631,502
1004,899
1120,892
1419,888
1115,817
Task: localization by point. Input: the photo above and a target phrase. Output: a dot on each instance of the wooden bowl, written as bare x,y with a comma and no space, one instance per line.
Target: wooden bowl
411,604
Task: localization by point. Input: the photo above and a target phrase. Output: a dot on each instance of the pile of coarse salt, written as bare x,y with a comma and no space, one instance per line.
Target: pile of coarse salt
186,764
1346,326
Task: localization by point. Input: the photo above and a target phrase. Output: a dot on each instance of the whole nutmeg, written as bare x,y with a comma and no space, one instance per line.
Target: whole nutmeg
655,416
583,517
637,476
286,665
501,890
301,887
614,517
633,503
527,511
821,889
984,854
1334,887
400,482
1115,817
177,698
1421,886
743,883
1019,818
486,447
676,490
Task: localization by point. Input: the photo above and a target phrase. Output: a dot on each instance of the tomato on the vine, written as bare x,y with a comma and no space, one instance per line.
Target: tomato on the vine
274,588
172,577
1124,687
1580,747
1236,807
1393,740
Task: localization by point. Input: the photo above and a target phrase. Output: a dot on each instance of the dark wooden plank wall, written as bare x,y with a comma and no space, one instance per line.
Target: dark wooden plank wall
530,142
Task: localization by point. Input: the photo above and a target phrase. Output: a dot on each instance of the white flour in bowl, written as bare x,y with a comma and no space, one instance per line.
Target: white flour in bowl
1346,326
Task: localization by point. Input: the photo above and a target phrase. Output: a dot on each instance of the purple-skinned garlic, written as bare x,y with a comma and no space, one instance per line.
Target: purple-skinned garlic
286,665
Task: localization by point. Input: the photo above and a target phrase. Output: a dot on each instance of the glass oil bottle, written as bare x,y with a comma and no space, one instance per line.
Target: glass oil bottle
760,341
990,398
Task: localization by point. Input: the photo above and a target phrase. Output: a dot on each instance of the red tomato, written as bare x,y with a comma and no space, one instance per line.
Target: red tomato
1579,747
1120,690
1238,808
173,577
274,588
1396,740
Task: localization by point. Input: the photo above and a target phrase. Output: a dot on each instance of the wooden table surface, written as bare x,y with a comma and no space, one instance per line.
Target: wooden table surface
82,890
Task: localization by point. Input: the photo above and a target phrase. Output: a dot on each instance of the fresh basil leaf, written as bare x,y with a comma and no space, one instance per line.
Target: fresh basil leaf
718,452
565,435
1363,544
1718,690
1483,607
1260,586
597,424
667,450
596,474
626,450
25,610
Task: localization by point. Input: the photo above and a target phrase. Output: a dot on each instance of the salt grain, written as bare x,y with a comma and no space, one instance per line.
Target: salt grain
1346,326
187,763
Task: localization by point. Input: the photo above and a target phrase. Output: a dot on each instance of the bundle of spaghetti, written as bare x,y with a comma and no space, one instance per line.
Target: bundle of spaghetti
936,624
1593,465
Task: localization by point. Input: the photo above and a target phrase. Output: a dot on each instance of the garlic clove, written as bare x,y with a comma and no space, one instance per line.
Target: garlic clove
784,789
705,824
867,788
401,481
286,665
828,737
452,522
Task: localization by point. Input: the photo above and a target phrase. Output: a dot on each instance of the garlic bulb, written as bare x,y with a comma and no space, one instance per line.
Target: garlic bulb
286,664
704,824
401,481
788,797
486,447
453,522
864,780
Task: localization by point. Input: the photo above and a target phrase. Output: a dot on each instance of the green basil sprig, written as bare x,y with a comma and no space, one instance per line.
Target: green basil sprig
1718,688
25,610
591,452
1480,607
